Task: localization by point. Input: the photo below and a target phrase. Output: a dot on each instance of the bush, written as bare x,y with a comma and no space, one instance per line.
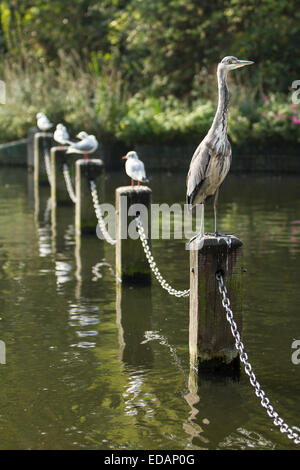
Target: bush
164,120
84,97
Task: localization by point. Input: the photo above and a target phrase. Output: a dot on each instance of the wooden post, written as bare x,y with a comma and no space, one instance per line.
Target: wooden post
59,193
42,141
131,263
30,146
88,252
212,346
85,218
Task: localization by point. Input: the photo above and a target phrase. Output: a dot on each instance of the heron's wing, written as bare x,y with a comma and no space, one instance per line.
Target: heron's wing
197,172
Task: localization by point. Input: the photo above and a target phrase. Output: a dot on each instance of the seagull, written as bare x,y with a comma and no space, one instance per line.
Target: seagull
135,168
43,122
88,144
61,135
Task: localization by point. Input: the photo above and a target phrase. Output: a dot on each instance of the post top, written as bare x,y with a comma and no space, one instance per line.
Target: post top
59,148
133,189
43,134
210,240
94,161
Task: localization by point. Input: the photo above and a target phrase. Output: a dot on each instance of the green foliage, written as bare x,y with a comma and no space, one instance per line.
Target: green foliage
144,71
166,47
279,120
68,93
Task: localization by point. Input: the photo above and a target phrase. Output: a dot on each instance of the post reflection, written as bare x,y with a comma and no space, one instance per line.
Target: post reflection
88,251
209,397
134,313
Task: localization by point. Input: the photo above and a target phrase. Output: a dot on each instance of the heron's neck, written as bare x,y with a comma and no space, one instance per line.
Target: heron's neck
220,123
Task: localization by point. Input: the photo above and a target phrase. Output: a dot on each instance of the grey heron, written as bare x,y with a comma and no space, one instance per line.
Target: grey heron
212,158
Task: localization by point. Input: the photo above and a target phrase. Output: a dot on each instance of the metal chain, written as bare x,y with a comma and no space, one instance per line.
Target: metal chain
47,165
99,214
153,266
265,402
68,182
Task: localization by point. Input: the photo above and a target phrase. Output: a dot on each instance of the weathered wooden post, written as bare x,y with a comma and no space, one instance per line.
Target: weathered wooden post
85,217
131,263
59,158
30,146
212,346
42,144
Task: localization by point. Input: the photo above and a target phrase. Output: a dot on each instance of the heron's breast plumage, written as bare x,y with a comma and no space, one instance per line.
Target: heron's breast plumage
208,170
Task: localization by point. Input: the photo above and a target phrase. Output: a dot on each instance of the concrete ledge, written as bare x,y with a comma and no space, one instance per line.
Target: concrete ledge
14,153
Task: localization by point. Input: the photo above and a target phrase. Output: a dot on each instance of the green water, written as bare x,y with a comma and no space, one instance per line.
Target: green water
92,368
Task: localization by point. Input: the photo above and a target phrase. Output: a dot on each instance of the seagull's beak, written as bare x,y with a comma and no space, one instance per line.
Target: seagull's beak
124,158
242,63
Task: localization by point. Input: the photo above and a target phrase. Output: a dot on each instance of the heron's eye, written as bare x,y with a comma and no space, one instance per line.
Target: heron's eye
230,61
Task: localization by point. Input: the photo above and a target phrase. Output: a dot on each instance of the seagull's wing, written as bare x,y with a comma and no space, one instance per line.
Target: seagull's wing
197,173
133,169
82,146
139,170
65,135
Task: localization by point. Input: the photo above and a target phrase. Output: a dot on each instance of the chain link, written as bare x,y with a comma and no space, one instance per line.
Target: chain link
68,182
99,214
47,165
259,392
153,266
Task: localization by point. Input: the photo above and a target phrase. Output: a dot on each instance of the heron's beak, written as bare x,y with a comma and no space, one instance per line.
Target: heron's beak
242,63
124,158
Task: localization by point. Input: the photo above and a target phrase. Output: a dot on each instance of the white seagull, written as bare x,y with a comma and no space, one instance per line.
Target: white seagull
61,135
88,144
135,168
43,122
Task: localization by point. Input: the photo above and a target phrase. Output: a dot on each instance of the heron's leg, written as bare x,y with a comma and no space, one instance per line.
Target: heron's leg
216,211
131,181
139,183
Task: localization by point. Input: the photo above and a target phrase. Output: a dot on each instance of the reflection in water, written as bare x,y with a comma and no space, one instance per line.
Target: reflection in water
134,313
245,440
162,340
78,378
